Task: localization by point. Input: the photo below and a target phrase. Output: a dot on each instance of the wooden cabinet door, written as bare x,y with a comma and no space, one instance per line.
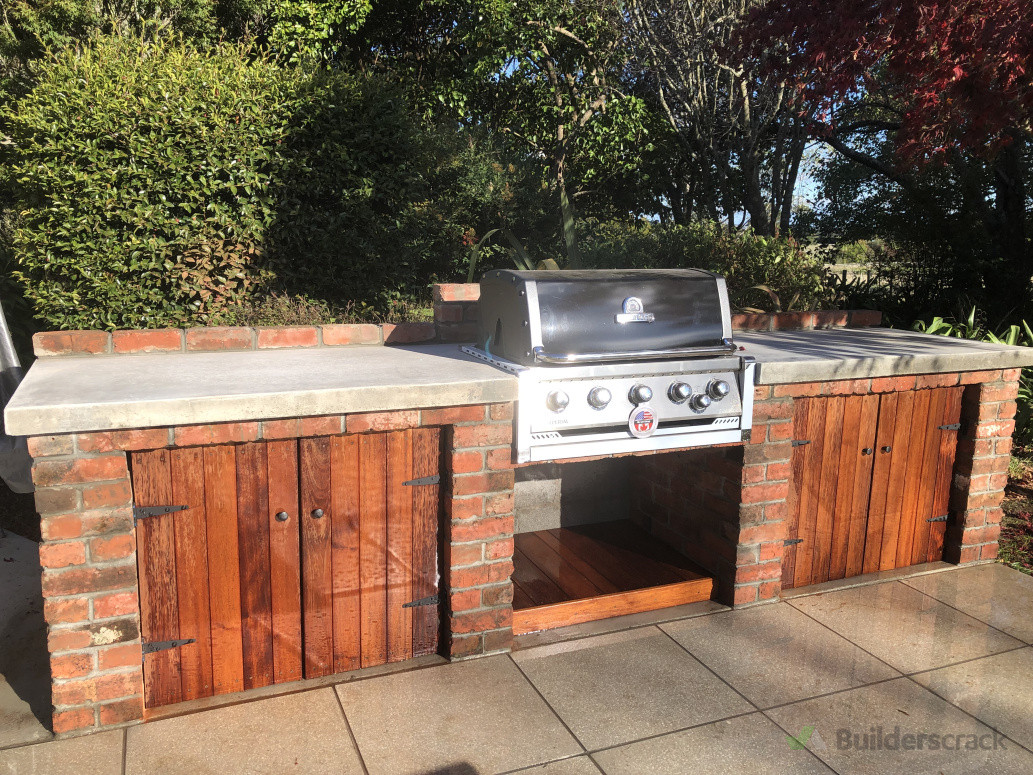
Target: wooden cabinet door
868,474
294,558
829,488
914,460
372,551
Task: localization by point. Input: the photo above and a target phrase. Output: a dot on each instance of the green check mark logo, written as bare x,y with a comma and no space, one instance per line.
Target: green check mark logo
799,742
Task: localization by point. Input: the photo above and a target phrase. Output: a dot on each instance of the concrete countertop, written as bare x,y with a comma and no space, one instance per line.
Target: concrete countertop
70,394
105,392
854,353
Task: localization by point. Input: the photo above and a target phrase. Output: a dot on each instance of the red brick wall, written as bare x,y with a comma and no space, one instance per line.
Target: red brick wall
981,470
88,551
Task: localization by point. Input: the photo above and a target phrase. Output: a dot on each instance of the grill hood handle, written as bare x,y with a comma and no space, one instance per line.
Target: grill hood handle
725,348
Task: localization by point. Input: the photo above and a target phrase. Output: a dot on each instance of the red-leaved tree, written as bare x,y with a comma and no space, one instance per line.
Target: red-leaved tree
962,68
950,81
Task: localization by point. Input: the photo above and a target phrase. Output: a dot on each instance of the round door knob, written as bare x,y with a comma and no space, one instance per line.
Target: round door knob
557,400
718,389
317,513
599,397
700,401
640,394
282,516
679,391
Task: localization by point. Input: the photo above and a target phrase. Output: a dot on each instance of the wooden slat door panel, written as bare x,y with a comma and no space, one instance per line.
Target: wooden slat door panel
316,552
426,621
220,497
345,550
399,573
284,559
944,472
373,548
156,553
293,558
864,456
256,606
192,592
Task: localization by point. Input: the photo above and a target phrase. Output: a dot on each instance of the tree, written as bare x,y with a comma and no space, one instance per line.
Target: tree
949,82
741,128
545,76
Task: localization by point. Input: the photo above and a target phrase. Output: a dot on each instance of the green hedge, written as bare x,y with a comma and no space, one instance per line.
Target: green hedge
794,275
157,184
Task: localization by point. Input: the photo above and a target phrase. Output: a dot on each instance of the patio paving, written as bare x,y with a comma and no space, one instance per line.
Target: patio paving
928,674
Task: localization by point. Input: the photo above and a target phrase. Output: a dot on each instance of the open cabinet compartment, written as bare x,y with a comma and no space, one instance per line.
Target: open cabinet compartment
579,557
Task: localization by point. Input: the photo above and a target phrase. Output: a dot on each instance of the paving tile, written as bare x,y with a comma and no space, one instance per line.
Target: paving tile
578,765
99,754
298,733
897,709
747,744
997,690
774,654
625,686
903,627
994,593
478,716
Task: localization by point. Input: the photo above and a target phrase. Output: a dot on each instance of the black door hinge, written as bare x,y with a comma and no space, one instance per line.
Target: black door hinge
141,512
791,541
800,442
422,480
952,427
432,600
164,645
941,518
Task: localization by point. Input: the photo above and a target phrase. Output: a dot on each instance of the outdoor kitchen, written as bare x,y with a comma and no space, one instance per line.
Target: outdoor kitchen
263,507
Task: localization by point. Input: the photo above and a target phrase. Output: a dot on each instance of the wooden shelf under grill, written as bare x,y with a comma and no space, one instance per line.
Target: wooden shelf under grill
581,574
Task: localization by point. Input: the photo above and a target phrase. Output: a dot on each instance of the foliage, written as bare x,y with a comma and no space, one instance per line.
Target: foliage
745,259
1016,543
943,231
160,185
961,68
741,128
974,326
282,309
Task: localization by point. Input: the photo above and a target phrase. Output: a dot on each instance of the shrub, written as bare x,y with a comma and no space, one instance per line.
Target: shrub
794,276
159,185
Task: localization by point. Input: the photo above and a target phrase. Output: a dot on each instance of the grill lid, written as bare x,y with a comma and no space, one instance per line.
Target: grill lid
602,314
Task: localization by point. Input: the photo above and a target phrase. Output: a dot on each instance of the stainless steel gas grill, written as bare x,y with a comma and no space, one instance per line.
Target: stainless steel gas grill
616,361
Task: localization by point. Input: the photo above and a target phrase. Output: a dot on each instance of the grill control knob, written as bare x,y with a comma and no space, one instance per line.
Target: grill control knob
679,391
599,397
700,401
557,400
718,389
640,394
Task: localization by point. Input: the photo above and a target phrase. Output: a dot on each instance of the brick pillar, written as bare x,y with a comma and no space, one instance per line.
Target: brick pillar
90,588
478,546
981,467
761,529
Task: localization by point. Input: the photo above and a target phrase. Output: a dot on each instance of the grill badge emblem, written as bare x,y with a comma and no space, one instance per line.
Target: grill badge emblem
633,312
643,421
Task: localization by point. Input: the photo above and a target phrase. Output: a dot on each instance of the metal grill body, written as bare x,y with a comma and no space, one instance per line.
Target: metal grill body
616,362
